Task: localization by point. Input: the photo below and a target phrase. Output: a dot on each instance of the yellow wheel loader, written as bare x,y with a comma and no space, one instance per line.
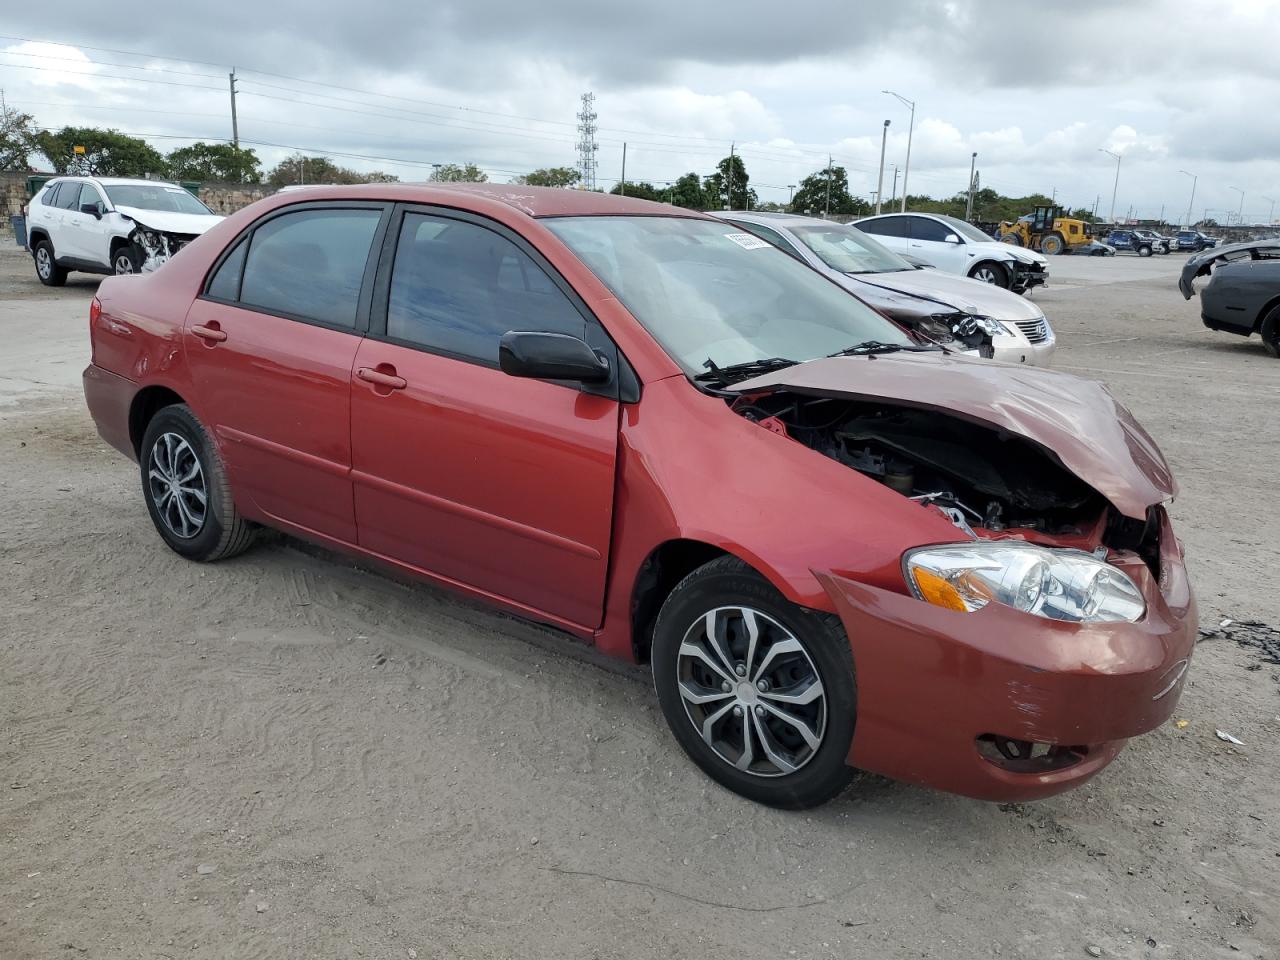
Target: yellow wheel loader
1045,230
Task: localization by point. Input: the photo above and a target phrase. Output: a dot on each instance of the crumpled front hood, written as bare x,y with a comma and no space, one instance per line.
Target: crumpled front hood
1201,264
971,296
1077,421
170,222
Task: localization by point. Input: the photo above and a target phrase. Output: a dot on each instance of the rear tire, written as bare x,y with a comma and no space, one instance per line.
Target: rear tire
184,484
1144,251
735,688
988,271
47,269
1270,331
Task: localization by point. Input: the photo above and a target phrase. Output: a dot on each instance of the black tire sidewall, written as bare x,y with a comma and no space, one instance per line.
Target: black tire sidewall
57,275
218,514
999,269
1269,330
132,252
719,584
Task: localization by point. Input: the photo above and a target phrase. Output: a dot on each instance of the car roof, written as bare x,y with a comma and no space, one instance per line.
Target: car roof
115,181
783,219
532,201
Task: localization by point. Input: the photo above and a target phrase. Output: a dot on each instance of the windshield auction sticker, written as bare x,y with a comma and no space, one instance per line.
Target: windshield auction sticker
747,241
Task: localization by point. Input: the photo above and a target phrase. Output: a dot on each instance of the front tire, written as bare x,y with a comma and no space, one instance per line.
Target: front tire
988,271
184,484
758,691
47,269
126,260
1270,331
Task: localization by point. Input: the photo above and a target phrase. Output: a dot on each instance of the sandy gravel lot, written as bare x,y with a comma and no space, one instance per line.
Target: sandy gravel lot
286,755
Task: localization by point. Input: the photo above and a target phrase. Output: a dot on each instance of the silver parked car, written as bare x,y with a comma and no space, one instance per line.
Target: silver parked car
885,280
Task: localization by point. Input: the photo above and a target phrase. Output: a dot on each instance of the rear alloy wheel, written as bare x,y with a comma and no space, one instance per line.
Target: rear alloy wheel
185,486
47,269
759,692
1144,251
991,272
1270,330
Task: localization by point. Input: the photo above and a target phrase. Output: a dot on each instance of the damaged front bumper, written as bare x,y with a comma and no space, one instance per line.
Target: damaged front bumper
1026,276
1002,705
157,246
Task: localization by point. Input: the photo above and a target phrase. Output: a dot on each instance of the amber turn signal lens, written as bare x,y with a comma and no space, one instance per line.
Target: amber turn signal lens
938,591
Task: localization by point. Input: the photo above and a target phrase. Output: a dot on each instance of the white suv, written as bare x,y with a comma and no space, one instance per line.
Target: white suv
954,246
109,225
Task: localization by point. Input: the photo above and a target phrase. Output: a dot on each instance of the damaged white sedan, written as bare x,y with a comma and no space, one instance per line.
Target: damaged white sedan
110,225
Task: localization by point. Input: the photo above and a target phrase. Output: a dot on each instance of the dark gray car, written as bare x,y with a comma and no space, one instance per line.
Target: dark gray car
1243,292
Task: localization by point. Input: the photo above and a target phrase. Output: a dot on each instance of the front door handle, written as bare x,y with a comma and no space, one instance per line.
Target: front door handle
210,332
384,375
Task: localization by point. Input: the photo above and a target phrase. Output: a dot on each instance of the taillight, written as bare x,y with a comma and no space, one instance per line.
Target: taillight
95,311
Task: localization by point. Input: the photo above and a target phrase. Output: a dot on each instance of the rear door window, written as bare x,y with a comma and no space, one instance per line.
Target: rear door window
885,226
309,265
457,287
922,228
69,195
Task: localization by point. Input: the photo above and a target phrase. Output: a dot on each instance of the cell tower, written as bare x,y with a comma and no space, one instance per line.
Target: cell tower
587,142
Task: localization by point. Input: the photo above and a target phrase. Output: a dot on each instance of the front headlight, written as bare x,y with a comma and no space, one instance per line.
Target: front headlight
1056,584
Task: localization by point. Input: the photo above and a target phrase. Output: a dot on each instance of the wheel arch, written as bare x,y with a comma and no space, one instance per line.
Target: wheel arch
666,565
146,403
36,235
1267,307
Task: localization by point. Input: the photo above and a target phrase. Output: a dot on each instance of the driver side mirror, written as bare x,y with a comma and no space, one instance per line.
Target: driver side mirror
951,238
93,209
550,356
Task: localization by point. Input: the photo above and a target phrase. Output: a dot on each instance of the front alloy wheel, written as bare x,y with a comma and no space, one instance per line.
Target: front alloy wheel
751,691
758,691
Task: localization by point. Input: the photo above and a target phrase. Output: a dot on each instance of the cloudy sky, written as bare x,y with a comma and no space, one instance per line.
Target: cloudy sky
1035,89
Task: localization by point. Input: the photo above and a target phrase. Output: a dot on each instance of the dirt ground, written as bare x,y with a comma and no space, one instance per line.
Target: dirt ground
286,755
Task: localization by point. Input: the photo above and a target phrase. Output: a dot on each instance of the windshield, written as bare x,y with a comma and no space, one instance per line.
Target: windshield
161,196
708,291
966,230
848,249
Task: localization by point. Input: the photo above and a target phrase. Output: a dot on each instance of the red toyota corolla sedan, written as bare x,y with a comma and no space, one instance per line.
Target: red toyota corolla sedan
836,546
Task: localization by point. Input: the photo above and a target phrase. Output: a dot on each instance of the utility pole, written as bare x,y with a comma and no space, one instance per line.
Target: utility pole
1053,197
1194,179
1116,185
728,197
968,207
893,194
1271,217
791,194
884,138
1240,211
1096,200
826,207
235,124
622,184
911,126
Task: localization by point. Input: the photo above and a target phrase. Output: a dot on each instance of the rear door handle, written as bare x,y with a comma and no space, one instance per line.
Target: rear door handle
383,378
211,333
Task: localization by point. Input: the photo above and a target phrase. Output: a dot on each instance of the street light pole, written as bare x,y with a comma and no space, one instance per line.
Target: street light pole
1116,185
911,126
884,137
968,207
1239,212
1271,217
1194,179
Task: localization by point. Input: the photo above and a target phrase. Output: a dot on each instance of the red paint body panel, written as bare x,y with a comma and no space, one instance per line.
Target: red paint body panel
502,483
547,501
931,680
277,395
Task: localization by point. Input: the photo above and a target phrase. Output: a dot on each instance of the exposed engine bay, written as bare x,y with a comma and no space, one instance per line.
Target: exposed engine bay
986,481
157,246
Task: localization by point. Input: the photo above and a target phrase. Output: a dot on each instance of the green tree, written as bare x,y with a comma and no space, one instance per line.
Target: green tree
17,138
299,170
107,153
453,173
687,192
550,177
641,190
214,161
811,195
716,188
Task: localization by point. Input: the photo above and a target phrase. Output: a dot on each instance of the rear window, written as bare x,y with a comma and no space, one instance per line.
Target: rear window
309,264
68,196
